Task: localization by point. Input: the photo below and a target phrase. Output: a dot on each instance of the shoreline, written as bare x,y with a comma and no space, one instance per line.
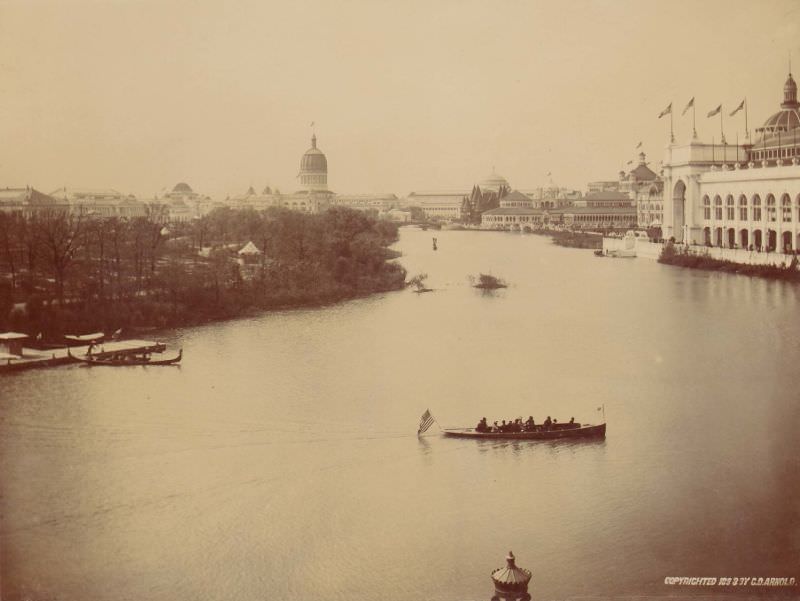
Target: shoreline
673,256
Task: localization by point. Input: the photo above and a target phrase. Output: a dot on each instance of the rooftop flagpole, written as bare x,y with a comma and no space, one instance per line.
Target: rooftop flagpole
746,130
671,131
668,111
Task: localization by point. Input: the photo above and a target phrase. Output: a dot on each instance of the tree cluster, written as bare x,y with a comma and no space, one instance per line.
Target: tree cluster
66,273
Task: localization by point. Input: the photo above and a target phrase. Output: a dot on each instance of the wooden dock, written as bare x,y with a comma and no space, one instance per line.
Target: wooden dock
37,358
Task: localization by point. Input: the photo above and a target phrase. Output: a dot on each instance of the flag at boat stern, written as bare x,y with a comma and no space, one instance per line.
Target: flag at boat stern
425,422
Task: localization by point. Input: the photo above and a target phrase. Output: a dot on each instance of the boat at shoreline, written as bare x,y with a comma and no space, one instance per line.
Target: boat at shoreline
125,359
555,432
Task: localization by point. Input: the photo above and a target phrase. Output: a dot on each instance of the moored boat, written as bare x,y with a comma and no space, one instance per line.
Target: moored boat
125,360
557,431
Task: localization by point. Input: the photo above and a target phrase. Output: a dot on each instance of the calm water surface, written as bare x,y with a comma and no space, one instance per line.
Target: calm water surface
280,460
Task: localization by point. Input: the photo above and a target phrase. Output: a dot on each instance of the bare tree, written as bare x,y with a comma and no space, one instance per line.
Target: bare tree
59,232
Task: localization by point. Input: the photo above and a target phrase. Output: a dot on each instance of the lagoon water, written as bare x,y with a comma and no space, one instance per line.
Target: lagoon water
280,460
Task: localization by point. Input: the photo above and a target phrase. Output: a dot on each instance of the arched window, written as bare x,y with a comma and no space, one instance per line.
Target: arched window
786,208
771,213
706,208
730,212
743,208
756,208
717,208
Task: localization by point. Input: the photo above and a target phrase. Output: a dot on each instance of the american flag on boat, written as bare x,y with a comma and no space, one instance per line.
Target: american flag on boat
425,422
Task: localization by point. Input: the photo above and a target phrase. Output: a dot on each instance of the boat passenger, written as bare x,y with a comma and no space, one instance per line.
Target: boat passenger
547,423
530,424
572,420
503,426
482,427
495,428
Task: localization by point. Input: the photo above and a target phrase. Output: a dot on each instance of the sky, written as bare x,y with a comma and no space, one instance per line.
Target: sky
405,95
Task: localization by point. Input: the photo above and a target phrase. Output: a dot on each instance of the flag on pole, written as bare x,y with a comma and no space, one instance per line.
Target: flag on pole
639,145
425,422
738,108
689,105
716,111
666,111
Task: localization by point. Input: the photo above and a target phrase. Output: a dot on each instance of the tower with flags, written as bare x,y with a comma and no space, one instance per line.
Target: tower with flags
745,195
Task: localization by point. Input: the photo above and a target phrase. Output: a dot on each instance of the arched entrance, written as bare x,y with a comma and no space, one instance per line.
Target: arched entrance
772,241
707,236
731,238
757,243
678,211
718,237
787,242
743,238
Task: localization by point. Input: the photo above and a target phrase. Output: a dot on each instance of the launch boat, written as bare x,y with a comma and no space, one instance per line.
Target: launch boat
554,432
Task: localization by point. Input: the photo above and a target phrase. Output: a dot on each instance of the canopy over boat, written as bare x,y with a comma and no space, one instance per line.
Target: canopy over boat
84,338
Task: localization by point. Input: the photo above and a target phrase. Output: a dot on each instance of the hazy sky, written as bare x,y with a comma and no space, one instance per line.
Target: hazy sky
406,95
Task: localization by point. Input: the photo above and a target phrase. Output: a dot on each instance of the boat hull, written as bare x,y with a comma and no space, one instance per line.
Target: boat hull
584,431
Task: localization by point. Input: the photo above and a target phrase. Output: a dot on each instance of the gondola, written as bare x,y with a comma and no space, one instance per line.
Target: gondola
127,360
555,432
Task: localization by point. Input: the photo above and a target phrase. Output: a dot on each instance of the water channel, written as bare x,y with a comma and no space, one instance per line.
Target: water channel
281,461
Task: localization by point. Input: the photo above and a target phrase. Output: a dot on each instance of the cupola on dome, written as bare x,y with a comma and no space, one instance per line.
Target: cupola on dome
788,118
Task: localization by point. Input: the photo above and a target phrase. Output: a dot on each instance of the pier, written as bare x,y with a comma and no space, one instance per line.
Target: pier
31,358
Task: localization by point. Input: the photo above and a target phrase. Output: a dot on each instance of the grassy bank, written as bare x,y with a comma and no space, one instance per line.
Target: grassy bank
672,255
573,239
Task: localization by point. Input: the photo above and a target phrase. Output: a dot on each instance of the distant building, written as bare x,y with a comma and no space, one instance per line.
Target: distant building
439,204
366,202
101,202
646,187
601,210
183,202
27,201
450,205
516,211
603,186
598,210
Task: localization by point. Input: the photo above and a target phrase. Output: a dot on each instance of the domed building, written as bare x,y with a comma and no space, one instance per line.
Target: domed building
313,174
780,131
741,200
493,183
182,188
786,119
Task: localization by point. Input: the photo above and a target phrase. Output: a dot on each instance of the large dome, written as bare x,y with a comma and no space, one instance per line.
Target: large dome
313,168
783,121
314,160
788,118
493,183
182,187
